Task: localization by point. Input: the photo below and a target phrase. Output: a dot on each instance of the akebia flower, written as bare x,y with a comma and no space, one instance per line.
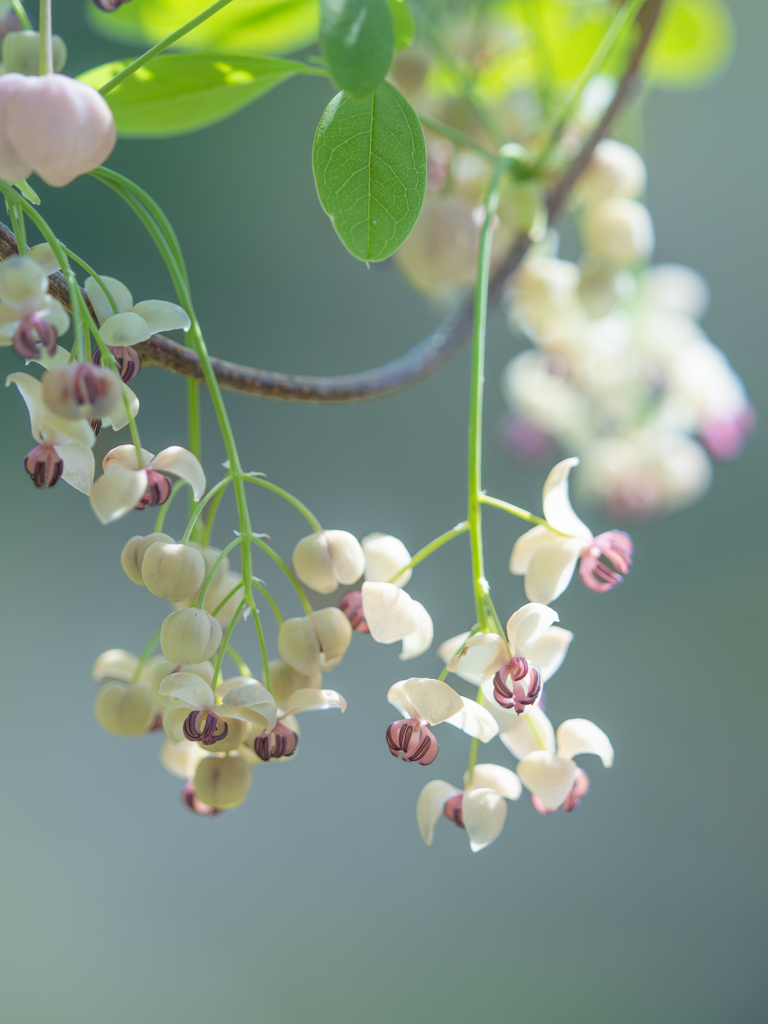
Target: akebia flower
29,316
195,714
134,321
124,485
385,558
547,555
52,125
391,615
480,808
327,558
63,446
279,744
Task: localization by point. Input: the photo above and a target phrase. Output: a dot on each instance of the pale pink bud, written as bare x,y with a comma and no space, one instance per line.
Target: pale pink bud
54,126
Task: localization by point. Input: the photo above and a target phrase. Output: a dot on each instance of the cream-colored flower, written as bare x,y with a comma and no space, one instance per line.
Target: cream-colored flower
123,484
480,807
133,322
199,713
393,615
386,556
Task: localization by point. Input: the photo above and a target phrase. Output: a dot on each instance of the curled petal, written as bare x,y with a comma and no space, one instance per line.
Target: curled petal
114,664
527,626
430,806
552,568
117,492
188,688
384,556
250,702
524,734
125,455
124,329
420,640
184,465
579,736
47,428
548,653
494,776
475,721
484,812
557,504
389,612
313,699
98,298
550,776
79,465
162,316
527,546
428,700
118,417
480,658
174,717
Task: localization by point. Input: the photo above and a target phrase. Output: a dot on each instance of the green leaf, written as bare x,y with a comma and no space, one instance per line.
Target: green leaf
693,43
176,93
405,27
260,26
358,42
370,165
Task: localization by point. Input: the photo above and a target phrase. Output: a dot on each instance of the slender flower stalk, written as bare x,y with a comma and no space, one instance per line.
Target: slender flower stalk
433,545
46,37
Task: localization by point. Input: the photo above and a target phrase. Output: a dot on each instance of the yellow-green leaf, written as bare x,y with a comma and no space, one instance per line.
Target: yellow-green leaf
251,26
694,42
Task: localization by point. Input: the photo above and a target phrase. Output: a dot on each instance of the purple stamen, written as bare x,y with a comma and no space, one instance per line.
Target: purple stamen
281,742
453,810
201,727
520,695
195,804
606,560
351,604
413,740
127,358
158,490
33,331
44,465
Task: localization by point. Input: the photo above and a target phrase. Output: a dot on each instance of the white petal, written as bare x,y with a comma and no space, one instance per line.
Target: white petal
56,315
475,721
484,812
430,806
162,316
551,569
124,329
548,653
449,648
45,258
480,658
389,612
118,417
494,776
248,699
557,504
184,464
173,723
79,465
547,775
312,699
181,759
101,304
527,733
47,428
420,640
526,547
527,626
125,455
384,556
579,736
429,700
59,358
114,664
189,689
116,492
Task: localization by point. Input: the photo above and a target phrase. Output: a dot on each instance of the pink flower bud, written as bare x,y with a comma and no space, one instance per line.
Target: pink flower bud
127,358
44,465
411,740
54,126
79,391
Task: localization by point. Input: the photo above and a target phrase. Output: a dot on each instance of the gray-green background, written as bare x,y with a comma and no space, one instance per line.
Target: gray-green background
317,900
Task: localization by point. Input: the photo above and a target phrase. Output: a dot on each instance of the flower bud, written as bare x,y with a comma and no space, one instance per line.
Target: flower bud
23,284
222,781
619,230
21,52
189,635
614,169
384,557
286,680
44,465
174,571
125,709
133,554
81,391
53,125
127,358
317,641
327,558
114,664
161,669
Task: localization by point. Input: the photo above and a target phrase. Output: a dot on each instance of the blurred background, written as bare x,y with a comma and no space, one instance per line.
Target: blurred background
317,899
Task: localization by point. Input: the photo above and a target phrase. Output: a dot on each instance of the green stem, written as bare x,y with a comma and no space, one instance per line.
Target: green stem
263,647
279,561
162,45
211,517
212,572
458,650
194,438
225,644
311,518
514,510
89,270
160,519
456,136
19,227
201,505
240,664
21,14
270,600
46,38
144,655
426,551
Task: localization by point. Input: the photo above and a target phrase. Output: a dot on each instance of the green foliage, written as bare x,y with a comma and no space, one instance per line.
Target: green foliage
405,27
180,92
370,167
694,42
358,42
251,26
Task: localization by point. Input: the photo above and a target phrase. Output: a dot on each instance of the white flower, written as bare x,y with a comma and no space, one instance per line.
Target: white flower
123,484
431,701
546,765
245,700
133,322
393,615
25,302
72,440
547,555
480,808
384,556
117,417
